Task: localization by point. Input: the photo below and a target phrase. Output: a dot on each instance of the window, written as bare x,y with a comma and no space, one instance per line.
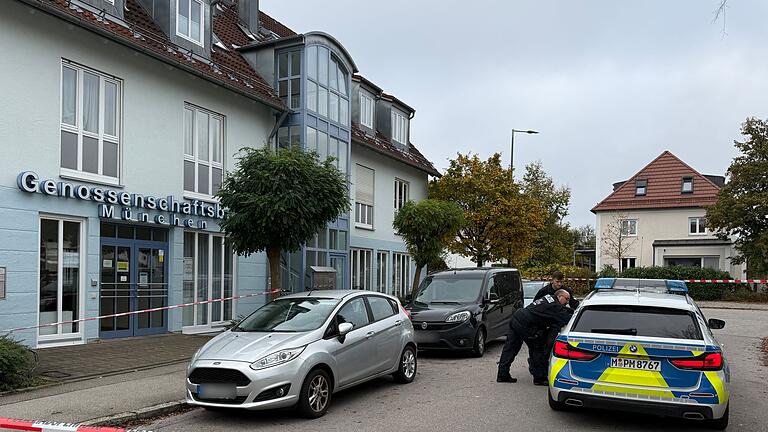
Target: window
380,307
366,110
60,277
629,227
628,263
289,79
401,194
90,124
381,271
189,20
364,197
354,312
687,185
640,187
361,268
697,226
327,87
203,149
401,274
398,127
638,321
208,275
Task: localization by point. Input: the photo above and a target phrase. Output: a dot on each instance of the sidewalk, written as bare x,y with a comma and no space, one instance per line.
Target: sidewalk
732,305
106,378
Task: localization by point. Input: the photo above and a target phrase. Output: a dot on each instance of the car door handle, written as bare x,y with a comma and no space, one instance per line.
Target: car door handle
369,335
398,322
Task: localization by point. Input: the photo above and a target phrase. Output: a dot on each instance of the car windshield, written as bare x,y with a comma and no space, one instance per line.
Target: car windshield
531,288
638,321
449,290
289,315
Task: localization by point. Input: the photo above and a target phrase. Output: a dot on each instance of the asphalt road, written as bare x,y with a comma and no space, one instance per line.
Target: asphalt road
456,393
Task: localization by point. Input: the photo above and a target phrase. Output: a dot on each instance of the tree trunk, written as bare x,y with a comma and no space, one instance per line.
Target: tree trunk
416,277
479,261
273,254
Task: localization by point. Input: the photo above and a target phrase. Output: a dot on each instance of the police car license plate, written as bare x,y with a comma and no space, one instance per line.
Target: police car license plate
636,364
216,391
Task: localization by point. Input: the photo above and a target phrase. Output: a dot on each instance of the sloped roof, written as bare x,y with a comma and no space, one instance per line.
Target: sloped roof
226,67
664,176
381,144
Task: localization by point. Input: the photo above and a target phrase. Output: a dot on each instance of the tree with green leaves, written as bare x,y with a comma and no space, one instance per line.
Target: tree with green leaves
554,242
277,200
427,227
741,210
499,220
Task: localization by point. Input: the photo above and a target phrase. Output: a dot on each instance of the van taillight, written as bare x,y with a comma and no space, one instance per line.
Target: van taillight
564,350
704,362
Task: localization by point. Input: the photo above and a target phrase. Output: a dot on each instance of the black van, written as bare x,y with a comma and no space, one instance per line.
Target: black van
461,309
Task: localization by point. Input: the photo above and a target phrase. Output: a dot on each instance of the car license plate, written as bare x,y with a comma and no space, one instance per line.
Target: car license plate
636,364
216,391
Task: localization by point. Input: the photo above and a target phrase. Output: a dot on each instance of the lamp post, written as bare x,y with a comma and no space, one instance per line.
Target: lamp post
512,146
512,168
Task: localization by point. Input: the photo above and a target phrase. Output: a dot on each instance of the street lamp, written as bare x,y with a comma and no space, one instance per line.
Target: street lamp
512,145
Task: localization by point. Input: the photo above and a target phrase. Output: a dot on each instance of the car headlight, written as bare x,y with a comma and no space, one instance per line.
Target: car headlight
459,317
277,358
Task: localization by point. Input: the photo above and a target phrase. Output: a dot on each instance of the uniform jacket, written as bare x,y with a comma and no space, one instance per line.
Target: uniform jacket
537,316
549,289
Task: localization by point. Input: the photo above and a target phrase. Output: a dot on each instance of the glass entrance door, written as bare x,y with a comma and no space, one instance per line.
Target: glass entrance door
133,278
337,262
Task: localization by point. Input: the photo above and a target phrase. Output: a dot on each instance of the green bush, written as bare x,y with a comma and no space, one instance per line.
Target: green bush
17,364
608,271
698,291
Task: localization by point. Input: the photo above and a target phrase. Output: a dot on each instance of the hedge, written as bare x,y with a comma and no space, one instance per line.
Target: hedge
698,291
17,364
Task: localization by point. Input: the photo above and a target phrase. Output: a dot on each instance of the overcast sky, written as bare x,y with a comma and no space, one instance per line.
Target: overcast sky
609,84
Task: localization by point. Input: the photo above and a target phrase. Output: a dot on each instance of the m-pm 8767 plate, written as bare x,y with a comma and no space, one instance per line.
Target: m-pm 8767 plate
636,364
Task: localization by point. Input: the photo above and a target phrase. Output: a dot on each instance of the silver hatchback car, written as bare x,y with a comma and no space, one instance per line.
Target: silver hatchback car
299,349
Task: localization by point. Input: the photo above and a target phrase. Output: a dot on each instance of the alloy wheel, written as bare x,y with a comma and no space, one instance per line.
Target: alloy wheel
409,364
318,393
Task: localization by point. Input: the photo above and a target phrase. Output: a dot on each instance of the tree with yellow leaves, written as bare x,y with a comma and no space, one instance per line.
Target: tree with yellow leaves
500,222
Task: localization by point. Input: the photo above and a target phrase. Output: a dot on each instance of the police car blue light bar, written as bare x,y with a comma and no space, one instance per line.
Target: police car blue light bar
605,283
677,286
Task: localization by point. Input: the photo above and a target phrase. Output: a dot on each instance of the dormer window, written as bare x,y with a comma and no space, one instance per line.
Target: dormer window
366,110
399,127
641,186
189,20
687,185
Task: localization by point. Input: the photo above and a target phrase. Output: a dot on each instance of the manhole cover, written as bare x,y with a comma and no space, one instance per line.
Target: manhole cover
55,374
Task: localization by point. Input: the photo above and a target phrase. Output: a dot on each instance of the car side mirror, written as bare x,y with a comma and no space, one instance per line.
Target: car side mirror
493,298
715,324
345,328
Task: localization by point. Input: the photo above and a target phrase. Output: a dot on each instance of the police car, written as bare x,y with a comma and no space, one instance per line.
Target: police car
641,345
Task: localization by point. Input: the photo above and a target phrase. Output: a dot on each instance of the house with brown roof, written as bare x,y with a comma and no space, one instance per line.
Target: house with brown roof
122,118
657,218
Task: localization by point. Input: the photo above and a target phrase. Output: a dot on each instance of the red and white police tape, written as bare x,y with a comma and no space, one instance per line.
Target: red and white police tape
725,281
49,426
8,331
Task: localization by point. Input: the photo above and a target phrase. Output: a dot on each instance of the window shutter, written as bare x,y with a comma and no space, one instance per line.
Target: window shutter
364,185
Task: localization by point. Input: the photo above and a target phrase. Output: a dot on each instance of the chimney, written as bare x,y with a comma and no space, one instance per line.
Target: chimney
249,14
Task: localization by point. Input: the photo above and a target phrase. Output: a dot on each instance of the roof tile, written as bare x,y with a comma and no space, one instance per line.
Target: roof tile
381,144
664,176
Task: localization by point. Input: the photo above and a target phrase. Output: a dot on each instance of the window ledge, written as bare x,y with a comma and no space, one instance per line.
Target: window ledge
364,227
69,174
201,197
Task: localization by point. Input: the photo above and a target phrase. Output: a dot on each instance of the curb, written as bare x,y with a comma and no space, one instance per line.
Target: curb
746,308
142,414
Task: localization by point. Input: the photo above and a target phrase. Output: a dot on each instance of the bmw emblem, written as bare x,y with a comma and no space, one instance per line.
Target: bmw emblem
424,325
633,348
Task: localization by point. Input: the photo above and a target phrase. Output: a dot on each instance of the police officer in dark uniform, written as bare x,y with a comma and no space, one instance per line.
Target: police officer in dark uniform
548,311
542,343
